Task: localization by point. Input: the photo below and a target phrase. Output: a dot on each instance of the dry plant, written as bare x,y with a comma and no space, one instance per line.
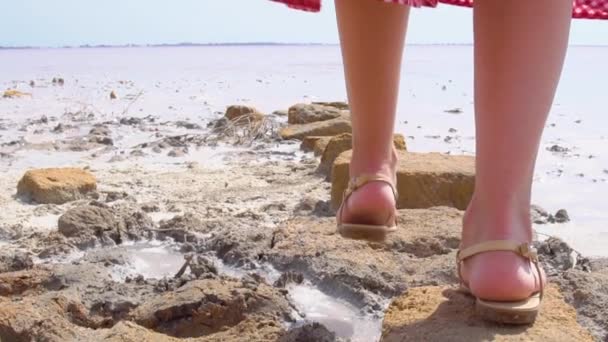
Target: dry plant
243,130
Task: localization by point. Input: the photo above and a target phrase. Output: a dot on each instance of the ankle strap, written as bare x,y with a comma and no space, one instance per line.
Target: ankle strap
525,250
359,181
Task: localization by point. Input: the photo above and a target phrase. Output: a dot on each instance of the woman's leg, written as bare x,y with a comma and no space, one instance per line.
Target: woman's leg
519,53
372,36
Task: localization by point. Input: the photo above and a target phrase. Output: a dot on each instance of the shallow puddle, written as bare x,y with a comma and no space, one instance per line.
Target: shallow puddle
151,259
340,317
345,320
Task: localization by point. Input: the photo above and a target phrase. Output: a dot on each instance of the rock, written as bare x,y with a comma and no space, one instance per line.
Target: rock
556,255
177,152
315,144
188,125
113,95
423,180
101,135
12,93
432,313
343,142
540,215
307,113
16,283
87,222
289,277
310,332
181,228
320,128
337,104
204,307
421,252
14,260
280,112
454,111
56,186
199,266
235,112
588,293
562,216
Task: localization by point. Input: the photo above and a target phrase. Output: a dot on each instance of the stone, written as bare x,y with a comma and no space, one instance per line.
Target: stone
315,144
310,332
56,186
280,112
307,113
12,93
320,128
204,307
561,216
344,142
14,260
336,104
16,283
113,95
432,313
235,112
423,180
88,221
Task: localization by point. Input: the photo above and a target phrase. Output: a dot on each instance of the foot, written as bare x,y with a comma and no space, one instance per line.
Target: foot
373,203
498,276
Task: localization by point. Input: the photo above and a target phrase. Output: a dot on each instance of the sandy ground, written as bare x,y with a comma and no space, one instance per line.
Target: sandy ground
252,221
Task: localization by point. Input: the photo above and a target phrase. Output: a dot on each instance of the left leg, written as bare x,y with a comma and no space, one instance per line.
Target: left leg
519,55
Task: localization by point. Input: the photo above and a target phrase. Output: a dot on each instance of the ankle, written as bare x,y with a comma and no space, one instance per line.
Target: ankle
489,220
375,164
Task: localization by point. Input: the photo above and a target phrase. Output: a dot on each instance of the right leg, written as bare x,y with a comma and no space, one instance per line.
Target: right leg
372,36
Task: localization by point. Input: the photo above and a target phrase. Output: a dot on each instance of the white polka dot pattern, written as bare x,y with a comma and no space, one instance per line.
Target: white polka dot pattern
583,9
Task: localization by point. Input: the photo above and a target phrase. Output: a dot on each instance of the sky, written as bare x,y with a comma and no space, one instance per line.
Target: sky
118,22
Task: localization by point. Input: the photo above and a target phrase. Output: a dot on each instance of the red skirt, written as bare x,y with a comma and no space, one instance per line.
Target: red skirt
584,9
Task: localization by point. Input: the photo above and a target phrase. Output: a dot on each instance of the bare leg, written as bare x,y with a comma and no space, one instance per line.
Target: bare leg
518,59
372,37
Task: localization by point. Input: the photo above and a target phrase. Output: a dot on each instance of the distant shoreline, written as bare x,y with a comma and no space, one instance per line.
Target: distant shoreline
185,45
106,46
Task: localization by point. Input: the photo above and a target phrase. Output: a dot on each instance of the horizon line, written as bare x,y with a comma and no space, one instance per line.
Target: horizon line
186,44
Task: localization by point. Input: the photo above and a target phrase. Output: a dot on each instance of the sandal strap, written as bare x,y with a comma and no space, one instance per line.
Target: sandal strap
359,181
525,250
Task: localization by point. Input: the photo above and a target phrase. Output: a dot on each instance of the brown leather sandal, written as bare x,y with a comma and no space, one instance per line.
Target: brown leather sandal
374,233
517,312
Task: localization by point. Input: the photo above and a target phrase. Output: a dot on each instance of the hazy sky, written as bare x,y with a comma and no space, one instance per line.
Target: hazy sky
77,22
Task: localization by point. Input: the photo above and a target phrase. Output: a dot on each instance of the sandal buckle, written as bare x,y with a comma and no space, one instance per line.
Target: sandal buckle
528,251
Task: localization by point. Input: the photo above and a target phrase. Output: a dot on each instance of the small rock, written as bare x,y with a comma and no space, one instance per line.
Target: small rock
201,265
310,332
177,152
307,113
280,113
57,186
12,93
558,149
188,125
113,95
237,111
540,215
562,216
87,220
320,128
289,277
454,111
336,104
